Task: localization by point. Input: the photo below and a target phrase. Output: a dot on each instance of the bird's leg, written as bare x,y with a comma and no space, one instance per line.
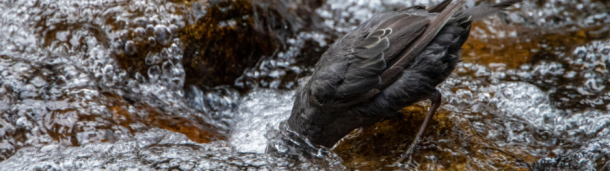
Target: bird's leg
435,99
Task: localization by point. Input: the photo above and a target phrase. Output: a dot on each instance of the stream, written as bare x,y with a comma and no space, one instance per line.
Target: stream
206,84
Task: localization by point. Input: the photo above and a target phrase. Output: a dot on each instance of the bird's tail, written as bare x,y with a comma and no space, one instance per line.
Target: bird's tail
485,10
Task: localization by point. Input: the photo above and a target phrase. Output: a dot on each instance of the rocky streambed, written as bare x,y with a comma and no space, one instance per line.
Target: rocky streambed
204,85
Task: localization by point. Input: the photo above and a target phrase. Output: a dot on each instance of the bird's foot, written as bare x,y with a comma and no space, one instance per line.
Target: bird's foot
410,164
406,161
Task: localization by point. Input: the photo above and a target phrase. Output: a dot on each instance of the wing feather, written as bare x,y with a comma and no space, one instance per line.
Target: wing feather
365,67
389,41
436,24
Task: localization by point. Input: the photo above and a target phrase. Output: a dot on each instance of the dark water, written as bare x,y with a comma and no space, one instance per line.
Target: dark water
199,85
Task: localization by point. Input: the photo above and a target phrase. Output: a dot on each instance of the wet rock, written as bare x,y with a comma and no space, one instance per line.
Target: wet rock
224,42
255,37
451,144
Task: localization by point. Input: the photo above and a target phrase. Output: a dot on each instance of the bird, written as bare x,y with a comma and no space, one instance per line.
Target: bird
389,62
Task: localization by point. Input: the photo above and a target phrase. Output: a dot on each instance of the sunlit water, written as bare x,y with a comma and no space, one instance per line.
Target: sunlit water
70,98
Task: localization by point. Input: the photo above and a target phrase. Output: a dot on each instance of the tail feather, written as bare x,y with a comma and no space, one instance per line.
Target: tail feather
485,10
440,7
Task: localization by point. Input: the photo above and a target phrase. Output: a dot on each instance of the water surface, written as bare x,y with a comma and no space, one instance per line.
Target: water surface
198,85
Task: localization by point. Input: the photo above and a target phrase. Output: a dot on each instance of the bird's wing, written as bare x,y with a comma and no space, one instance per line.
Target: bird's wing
436,24
381,55
373,54
440,7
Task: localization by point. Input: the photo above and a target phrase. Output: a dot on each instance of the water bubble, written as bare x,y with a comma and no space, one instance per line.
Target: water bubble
140,78
123,34
152,59
176,51
140,22
139,32
119,45
153,73
178,71
130,48
152,42
164,54
162,34
168,66
150,29
150,10
173,29
155,20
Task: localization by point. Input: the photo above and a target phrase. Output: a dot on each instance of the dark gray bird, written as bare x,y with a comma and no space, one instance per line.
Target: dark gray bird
389,62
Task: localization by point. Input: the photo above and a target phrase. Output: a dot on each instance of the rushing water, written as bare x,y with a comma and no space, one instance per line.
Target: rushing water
203,85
